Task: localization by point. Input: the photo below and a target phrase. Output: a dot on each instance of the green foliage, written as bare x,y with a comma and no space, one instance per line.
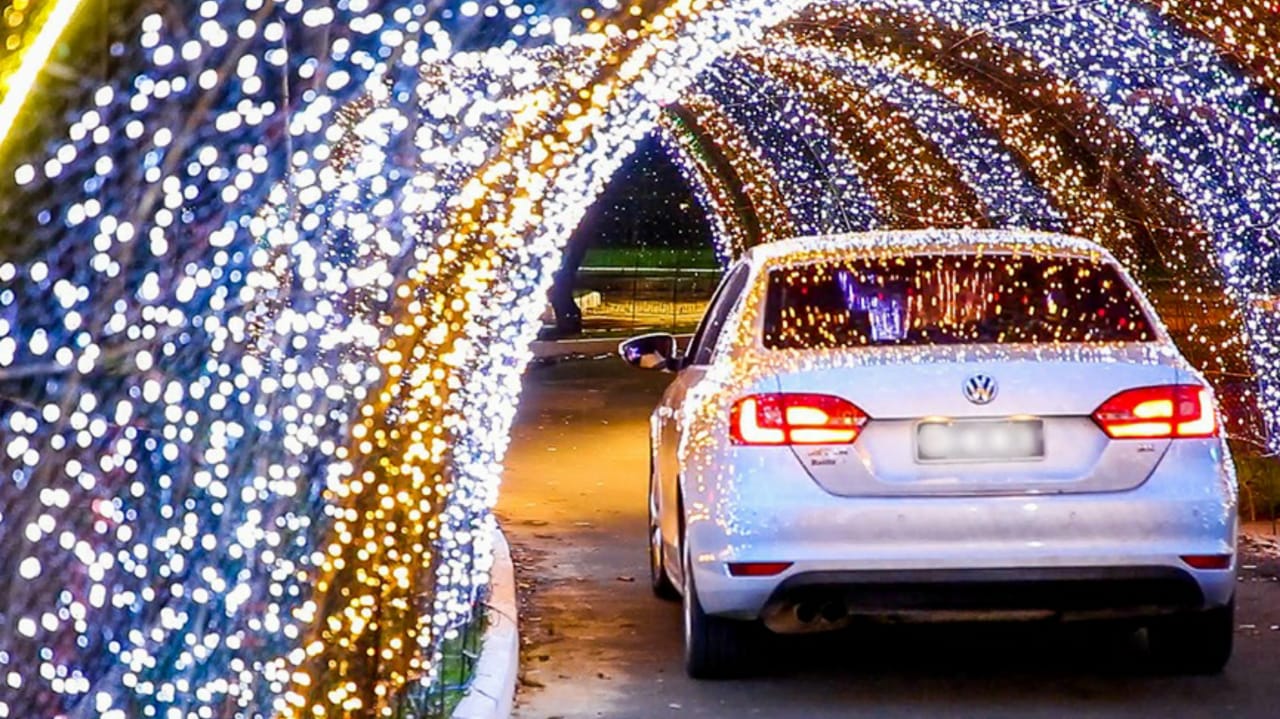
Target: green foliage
456,670
1259,477
667,258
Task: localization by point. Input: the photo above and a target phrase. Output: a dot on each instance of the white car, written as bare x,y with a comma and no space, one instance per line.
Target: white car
935,426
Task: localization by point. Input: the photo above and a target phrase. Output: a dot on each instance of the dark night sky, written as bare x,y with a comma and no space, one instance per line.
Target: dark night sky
646,204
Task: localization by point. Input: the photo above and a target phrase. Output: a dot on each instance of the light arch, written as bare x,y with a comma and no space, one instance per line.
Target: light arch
550,168
487,160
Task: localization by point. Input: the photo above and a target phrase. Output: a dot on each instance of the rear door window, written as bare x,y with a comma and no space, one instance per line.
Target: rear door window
704,342
944,299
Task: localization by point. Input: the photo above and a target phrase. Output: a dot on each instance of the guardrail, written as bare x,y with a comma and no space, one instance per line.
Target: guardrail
638,299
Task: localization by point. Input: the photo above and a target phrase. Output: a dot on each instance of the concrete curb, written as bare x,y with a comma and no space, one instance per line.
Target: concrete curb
569,348
493,691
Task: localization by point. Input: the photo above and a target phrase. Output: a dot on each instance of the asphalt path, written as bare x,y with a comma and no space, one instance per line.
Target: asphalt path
596,643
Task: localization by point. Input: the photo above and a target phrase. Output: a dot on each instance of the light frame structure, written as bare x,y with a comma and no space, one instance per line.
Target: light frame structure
289,323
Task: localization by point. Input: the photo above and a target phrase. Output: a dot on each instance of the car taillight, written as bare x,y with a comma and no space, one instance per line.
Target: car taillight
1208,561
1159,413
758,569
782,419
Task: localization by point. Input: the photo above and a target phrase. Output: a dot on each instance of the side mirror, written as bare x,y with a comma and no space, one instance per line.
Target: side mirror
657,351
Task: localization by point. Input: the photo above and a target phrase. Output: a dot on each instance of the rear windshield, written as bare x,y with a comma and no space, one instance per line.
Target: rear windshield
950,299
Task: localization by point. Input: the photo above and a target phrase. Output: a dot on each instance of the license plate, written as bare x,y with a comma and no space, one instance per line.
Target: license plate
980,441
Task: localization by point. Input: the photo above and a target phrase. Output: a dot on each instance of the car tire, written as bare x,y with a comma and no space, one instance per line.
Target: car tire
715,647
659,581
1198,643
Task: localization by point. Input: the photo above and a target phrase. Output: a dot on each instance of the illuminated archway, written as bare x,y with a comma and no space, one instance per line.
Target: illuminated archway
367,319
1165,178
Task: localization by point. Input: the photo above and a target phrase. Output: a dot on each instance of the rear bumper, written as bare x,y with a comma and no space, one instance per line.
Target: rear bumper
1071,553
1069,593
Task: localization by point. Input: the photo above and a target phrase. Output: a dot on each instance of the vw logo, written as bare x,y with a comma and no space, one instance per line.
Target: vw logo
980,389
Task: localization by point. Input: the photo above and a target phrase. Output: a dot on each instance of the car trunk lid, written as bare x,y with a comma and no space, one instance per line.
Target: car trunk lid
1035,435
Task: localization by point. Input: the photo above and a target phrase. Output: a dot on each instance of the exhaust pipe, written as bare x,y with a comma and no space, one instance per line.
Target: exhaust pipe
833,612
806,612
806,617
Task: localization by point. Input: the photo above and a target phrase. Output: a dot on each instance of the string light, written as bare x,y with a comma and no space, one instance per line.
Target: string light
18,84
980,156
759,181
730,215
268,346
884,146
795,150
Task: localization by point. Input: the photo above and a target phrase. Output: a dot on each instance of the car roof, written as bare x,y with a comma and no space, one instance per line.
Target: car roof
926,242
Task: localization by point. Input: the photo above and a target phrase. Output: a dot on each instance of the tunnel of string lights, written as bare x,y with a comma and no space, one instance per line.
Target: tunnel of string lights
262,339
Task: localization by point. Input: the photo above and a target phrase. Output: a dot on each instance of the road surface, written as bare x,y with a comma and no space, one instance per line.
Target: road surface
597,644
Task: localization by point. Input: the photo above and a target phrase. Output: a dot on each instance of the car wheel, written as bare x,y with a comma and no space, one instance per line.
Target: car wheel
658,579
1194,643
714,647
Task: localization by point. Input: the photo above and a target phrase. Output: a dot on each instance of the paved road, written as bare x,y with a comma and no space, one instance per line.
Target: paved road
597,644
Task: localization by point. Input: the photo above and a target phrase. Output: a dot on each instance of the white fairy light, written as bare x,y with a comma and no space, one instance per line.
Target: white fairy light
272,358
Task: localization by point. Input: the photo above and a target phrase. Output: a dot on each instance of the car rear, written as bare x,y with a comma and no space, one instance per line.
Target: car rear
949,434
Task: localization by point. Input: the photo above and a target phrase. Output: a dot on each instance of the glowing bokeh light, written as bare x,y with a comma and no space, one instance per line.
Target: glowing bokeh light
17,85
263,350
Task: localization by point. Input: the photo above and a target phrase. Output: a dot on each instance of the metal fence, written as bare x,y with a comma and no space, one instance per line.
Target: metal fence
636,300
456,670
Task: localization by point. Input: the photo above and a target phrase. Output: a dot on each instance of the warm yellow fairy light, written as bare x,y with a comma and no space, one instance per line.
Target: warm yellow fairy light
1092,214
920,188
19,84
730,222
355,620
1247,29
758,180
